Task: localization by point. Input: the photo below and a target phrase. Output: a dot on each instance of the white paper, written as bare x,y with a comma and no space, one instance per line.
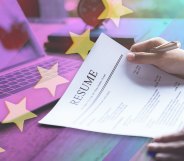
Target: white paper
120,98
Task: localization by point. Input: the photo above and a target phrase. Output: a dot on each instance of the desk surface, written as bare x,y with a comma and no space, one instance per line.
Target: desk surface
46,143
43,143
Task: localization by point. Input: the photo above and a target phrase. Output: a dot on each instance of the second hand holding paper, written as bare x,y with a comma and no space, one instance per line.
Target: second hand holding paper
111,95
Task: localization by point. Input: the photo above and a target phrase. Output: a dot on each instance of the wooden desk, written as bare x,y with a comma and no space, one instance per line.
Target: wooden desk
46,143
43,143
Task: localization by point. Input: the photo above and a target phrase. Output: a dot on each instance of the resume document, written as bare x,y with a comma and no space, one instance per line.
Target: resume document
111,95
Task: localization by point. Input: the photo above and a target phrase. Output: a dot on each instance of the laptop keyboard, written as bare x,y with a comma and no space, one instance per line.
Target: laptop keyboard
28,77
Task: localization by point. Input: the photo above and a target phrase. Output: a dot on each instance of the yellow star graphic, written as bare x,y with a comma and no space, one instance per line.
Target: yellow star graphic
114,10
18,114
2,150
81,44
50,79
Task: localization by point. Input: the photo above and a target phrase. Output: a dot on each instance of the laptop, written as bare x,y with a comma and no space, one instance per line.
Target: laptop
20,60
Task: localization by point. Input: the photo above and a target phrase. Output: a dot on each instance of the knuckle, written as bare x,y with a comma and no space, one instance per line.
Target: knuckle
159,39
161,157
134,47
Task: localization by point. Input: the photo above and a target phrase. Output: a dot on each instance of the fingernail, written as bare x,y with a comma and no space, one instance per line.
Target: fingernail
131,56
152,146
156,139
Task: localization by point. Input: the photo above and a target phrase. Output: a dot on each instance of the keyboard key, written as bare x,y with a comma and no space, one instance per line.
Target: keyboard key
28,77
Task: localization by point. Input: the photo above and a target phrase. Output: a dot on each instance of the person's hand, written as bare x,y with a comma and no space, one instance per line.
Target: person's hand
168,148
171,61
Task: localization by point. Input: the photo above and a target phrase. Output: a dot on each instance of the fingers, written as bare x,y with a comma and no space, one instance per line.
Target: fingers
140,52
143,58
168,157
147,45
168,148
172,147
170,138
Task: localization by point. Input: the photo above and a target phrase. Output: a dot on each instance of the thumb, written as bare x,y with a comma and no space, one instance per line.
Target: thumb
142,58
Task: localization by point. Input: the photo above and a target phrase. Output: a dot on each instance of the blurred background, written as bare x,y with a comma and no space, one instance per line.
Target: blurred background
142,8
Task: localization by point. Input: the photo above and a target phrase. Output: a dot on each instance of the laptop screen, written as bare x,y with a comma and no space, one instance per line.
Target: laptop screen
17,44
